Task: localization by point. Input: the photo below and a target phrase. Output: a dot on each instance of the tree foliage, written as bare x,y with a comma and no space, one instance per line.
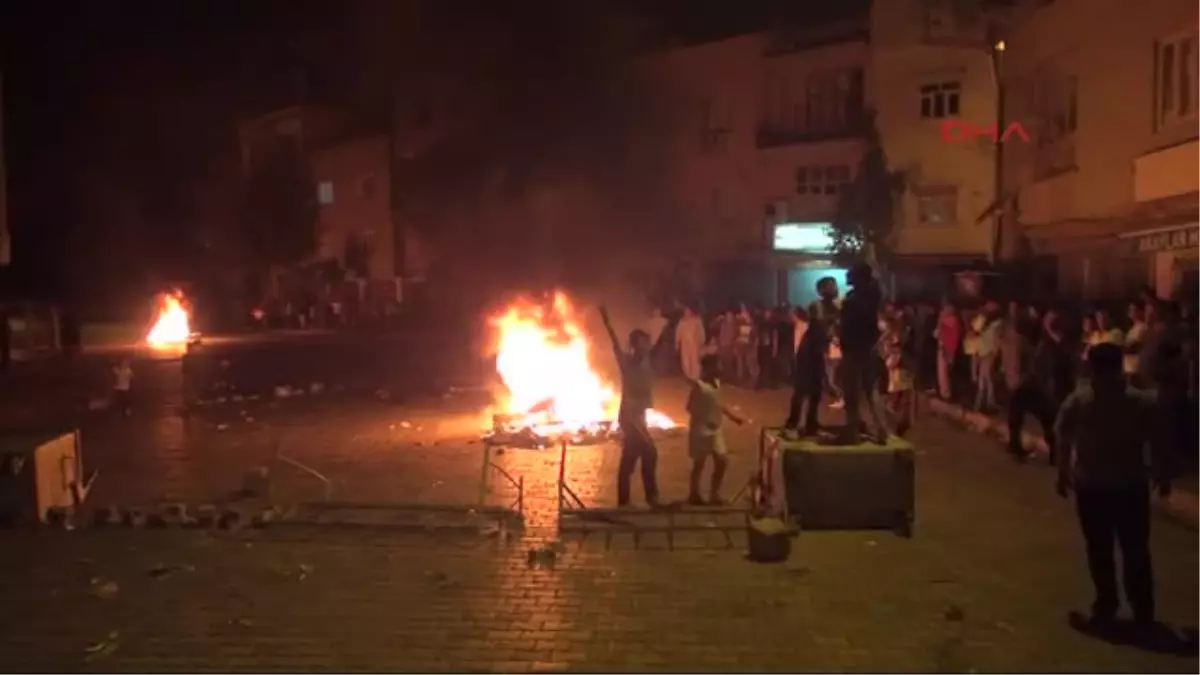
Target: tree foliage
863,225
280,209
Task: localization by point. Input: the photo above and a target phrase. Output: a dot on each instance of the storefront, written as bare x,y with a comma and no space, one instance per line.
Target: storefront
801,258
1171,256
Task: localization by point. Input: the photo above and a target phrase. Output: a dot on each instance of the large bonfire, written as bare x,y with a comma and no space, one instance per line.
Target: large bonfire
543,357
172,327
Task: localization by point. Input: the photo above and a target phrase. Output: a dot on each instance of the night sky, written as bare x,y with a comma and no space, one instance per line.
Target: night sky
139,98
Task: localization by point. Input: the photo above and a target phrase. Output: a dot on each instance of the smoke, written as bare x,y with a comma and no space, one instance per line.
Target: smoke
546,161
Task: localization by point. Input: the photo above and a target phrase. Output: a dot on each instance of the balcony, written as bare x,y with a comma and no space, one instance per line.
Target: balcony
771,135
1167,172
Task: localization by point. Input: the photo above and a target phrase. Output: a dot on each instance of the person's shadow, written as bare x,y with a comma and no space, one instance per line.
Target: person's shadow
1159,638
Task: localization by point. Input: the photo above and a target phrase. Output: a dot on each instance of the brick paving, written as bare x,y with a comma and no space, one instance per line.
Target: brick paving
984,585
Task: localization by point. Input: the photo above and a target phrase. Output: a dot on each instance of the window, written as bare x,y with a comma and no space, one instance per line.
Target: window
1058,109
940,100
821,180
325,193
937,205
1175,68
715,125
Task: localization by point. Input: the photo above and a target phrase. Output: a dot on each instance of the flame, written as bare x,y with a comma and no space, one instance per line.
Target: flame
544,359
171,328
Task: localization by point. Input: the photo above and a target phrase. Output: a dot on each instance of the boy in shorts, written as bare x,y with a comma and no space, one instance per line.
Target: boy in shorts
706,438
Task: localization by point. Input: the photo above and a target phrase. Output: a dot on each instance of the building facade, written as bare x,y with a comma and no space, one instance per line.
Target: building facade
1108,186
773,127
354,224
769,133
931,75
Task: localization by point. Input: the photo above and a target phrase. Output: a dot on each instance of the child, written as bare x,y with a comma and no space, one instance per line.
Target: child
705,437
122,383
901,395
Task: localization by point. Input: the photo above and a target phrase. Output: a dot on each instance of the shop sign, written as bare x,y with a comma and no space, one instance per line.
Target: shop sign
1171,240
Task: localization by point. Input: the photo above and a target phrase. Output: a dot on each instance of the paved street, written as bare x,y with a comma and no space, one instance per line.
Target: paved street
985,584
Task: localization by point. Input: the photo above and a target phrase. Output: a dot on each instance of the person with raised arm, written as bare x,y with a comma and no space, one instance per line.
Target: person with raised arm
637,389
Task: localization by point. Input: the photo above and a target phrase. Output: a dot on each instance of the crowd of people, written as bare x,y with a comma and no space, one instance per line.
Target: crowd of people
1012,358
1104,387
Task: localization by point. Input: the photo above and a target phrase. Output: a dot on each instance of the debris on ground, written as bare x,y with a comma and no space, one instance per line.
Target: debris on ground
440,580
206,515
103,647
105,590
543,556
162,571
229,520
954,613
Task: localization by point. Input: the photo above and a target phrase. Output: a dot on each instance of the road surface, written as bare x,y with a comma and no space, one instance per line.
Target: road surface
985,584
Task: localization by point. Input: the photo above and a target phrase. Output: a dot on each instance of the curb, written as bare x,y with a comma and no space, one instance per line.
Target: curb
1181,505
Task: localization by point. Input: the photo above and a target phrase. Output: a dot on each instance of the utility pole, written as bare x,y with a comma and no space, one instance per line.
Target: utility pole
5,239
998,207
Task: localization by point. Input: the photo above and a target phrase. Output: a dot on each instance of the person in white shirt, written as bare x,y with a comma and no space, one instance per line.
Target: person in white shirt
689,342
1134,338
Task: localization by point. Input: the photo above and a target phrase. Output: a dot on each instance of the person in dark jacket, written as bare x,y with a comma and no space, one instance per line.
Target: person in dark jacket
860,358
1046,382
808,377
1103,429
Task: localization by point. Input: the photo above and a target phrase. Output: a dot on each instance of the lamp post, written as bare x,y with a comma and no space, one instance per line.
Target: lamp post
998,48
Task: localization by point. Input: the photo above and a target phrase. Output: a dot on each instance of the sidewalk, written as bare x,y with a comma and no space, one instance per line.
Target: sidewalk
1182,505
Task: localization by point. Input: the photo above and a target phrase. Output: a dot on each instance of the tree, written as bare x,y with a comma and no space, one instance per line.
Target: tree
863,224
280,209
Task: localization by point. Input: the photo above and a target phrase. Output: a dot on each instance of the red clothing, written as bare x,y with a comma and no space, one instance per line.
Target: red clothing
949,334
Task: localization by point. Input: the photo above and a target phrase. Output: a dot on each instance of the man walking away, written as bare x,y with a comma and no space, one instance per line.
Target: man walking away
637,384
1102,432
1044,385
689,342
860,361
808,377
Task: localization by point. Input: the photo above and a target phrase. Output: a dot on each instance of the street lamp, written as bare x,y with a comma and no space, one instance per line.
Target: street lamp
997,58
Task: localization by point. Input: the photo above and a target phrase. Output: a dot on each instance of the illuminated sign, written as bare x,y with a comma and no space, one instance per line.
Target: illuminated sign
803,238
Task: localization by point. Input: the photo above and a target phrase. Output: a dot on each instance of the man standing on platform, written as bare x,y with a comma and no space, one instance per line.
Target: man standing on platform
860,365
808,377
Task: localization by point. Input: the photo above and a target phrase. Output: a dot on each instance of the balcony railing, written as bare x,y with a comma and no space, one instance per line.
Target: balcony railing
770,135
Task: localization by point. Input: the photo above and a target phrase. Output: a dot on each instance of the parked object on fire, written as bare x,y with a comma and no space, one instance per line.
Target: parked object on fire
41,473
868,486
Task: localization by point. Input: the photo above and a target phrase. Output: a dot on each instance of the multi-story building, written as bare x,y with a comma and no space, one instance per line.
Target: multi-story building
773,127
1108,185
295,129
770,132
932,69
354,224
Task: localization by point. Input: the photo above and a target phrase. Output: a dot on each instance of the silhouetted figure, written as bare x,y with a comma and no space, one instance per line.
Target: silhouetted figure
861,370
637,385
808,377
1102,429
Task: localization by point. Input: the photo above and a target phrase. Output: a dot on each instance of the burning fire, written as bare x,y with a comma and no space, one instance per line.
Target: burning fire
171,329
543,358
